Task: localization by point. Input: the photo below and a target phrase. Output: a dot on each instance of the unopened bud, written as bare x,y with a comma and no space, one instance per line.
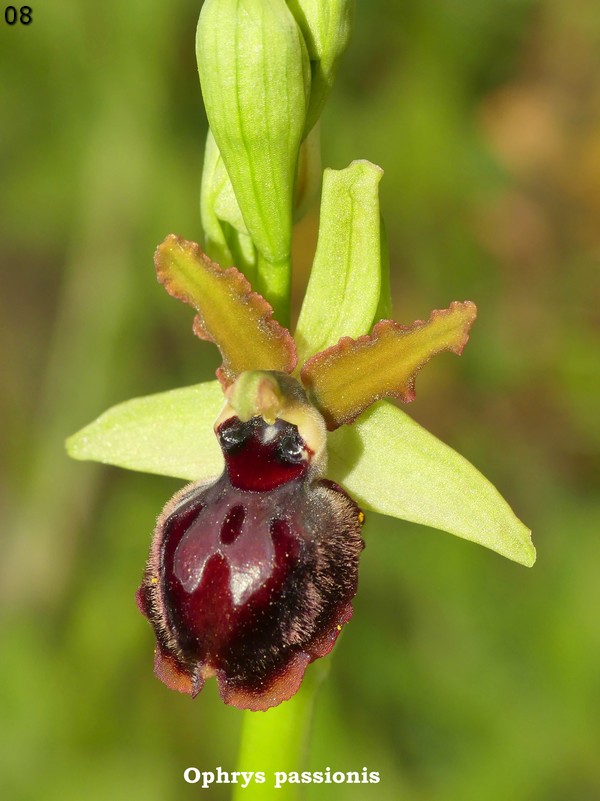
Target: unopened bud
325,26
255,77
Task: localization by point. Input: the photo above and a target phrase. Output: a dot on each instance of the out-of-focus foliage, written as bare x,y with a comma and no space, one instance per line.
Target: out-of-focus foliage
461,675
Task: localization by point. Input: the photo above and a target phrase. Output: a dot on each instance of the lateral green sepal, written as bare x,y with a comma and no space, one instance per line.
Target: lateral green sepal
169,433
390,464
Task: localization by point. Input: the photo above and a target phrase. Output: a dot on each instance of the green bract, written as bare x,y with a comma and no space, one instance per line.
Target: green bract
389,463
325,26
226,238
266,68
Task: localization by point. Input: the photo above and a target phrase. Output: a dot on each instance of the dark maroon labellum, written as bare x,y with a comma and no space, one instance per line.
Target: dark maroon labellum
251,577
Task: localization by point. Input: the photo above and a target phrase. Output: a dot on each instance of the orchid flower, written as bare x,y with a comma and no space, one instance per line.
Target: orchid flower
254,565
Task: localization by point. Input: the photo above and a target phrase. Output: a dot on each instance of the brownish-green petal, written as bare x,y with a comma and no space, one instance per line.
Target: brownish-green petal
347,378
239,321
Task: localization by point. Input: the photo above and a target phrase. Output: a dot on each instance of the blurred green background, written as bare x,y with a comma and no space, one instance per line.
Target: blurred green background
461,676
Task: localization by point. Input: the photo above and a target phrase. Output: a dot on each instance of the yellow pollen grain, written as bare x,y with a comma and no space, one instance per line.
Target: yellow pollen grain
153,580
361,517
339,628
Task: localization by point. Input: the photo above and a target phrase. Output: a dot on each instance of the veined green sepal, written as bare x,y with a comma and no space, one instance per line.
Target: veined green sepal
344,290
391,465
168,434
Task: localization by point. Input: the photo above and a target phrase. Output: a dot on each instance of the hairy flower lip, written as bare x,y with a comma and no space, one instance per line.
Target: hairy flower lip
251,576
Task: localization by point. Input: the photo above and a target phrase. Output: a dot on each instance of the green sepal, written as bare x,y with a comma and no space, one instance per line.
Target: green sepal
169,433
390,464
343,291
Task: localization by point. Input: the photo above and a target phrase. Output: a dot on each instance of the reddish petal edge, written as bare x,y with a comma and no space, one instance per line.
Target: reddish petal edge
173,676
288,682
277,347
282,688
347,346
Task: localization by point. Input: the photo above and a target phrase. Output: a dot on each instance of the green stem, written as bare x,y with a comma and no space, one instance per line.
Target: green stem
278,740
273,282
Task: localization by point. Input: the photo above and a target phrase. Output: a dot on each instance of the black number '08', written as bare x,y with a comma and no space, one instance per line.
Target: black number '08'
24,15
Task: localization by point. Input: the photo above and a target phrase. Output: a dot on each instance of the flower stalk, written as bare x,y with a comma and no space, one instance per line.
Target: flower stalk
279,740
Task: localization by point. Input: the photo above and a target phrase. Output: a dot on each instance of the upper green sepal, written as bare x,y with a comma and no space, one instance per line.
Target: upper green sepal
344,289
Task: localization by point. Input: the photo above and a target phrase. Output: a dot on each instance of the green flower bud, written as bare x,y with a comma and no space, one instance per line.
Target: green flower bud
255,77
325,25
226,239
